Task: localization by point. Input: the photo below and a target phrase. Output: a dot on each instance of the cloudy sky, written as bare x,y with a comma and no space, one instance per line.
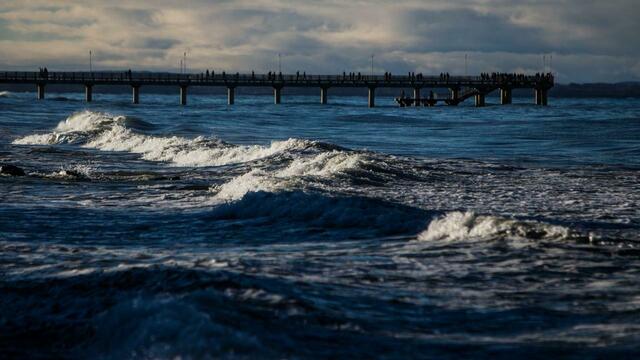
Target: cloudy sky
585,40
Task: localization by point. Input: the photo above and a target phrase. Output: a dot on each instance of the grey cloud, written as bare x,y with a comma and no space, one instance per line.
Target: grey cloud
152,43
467,30
590,40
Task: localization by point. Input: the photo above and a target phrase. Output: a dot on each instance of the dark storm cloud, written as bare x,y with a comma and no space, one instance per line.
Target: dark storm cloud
467,30
590,40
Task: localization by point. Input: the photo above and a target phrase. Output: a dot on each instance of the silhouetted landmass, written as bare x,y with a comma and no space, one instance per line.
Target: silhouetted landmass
617,90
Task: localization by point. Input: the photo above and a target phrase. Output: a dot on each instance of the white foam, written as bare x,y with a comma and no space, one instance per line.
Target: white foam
187,152
324,165
253,181
5,93
108,133
76,128
468,225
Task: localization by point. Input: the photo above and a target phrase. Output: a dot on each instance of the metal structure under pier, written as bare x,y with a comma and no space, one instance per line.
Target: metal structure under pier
460,87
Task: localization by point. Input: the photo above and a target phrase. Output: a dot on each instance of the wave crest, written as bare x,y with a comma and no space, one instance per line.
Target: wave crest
114,133
468,225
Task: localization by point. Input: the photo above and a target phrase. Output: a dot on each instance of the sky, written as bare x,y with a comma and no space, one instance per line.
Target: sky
579,40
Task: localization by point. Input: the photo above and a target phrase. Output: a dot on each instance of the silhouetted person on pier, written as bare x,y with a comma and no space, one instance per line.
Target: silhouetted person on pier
253,75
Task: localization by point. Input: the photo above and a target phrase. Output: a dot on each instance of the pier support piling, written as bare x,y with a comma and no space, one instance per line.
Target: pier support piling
40,88
455,94
136,94
505,96
416,96
541,97
372,97
231,95
277,91
480,100
323,95
88,92
183,94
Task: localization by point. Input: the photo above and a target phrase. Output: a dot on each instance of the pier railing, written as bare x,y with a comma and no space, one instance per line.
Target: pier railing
541,83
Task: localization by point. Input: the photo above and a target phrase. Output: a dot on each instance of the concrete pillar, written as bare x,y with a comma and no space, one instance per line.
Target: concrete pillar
505,96
277,95
231,95
480,100
455,93
323,95
40,88
183,94
136,94
372,97
541,97
416,96
88,92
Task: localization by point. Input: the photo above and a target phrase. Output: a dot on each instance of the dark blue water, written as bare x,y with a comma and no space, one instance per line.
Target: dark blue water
310,231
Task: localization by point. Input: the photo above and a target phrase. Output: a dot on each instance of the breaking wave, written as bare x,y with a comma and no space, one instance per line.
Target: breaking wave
323,165
4,94
116,133
458,225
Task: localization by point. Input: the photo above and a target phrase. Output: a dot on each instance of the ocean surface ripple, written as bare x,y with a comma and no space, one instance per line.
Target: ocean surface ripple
304,231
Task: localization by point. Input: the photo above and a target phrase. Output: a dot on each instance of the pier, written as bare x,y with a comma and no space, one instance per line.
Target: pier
460,88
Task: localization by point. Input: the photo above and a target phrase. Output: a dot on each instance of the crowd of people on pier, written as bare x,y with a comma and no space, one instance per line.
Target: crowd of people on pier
43,72
210,75
511,77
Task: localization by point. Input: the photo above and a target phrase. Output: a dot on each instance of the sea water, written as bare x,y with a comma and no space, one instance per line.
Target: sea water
303,230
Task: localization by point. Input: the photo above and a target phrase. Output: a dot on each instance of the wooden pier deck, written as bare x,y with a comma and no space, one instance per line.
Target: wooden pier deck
477,86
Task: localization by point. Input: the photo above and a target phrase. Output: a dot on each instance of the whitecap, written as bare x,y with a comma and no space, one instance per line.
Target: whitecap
455,226
110,133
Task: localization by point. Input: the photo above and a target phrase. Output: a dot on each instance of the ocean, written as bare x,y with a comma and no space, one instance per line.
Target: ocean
303,230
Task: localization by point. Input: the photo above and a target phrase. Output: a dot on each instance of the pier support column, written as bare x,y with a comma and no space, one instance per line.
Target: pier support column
455,94
416,96
183,94
505,96
88,92
40,88
277,91
323,95
541,97
480,100
231,95
136,94
372,97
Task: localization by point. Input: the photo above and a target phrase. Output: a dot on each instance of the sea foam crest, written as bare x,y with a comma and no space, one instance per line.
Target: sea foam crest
77,128
323,165
110,133
468,225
